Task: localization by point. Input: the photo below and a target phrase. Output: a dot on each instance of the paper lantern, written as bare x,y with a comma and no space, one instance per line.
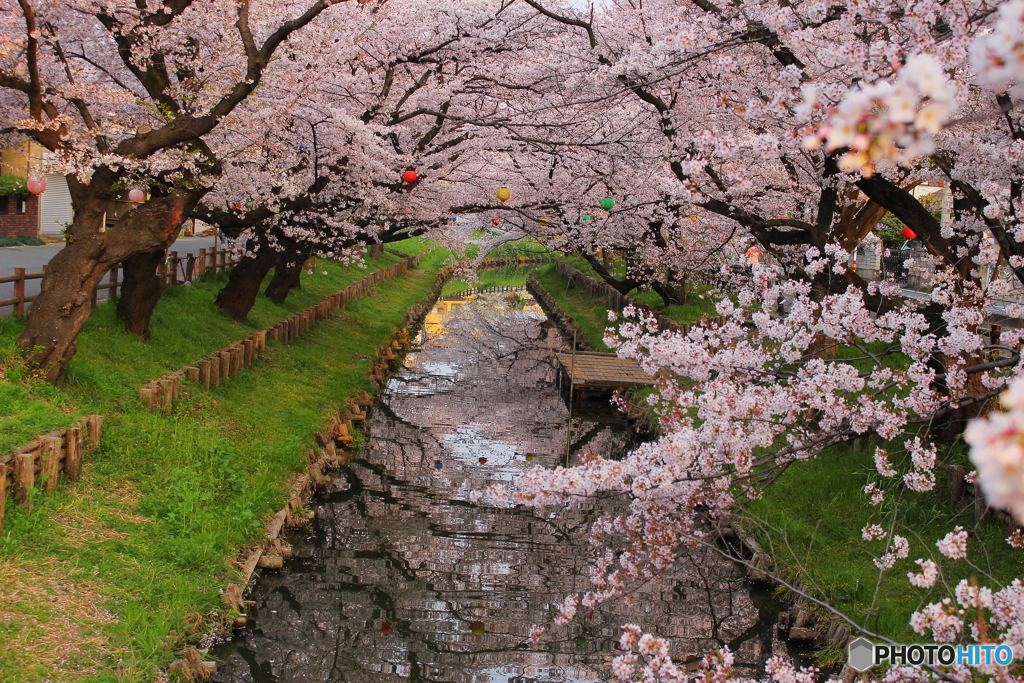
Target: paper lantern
543,221
908,233
529,457
477,627
136,196
410,176
607,203
504,194
36,185
586,217
693,218
496,221
483,460
438,465
385,628
580,641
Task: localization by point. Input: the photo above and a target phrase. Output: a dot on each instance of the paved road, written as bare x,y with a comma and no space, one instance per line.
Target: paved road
32,260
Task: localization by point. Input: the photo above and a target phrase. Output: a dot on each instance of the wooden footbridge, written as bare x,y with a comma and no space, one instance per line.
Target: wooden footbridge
602,373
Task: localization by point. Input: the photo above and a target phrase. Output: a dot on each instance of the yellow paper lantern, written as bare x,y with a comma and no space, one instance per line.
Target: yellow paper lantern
504,194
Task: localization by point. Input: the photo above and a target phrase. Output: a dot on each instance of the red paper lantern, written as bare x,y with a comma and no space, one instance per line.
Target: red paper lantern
483,460
908,233
410,176
136,196
496,221
36,185
385,628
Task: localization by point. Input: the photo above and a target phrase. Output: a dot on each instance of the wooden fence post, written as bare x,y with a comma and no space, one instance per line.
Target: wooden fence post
73,452
225,364
24,477
204,373
49,454
3,493
215,370
172,266
167,389
201,262
95,425
19,290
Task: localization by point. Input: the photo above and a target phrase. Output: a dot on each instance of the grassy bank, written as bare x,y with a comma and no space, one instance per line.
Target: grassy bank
106,579
111,363
591,315
810,520
699,303
498,277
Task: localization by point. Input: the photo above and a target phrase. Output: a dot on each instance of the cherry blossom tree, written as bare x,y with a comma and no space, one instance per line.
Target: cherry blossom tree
122,94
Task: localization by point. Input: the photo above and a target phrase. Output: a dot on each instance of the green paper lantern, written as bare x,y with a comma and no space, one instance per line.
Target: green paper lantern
586,217
607,203
477,627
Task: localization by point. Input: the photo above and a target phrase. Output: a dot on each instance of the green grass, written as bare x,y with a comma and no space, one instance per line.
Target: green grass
23,416
811,520
165,502
700,303
21,241
591,315
498,277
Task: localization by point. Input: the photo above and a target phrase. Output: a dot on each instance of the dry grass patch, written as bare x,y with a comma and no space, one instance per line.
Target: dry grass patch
51,627
87,515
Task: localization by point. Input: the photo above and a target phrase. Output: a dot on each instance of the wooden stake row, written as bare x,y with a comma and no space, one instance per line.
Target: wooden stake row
41,461
160,394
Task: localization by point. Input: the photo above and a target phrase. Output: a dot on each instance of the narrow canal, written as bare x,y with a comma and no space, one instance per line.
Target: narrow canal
403,577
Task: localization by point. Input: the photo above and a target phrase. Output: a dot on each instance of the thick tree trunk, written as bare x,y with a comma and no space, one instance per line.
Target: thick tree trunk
239,295
65,300
287,274
670,293
141,291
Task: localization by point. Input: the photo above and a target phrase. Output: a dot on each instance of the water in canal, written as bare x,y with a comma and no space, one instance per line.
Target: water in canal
403,578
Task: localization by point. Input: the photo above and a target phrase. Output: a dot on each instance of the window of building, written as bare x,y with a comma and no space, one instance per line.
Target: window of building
3,205
21,205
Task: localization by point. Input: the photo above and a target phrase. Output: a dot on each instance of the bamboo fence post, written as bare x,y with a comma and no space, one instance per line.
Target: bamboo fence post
24,477
49,455
73,452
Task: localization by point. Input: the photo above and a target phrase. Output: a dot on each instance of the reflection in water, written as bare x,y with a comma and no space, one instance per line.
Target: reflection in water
399,540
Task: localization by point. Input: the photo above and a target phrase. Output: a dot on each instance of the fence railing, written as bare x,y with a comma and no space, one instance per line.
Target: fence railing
175,269
487,290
